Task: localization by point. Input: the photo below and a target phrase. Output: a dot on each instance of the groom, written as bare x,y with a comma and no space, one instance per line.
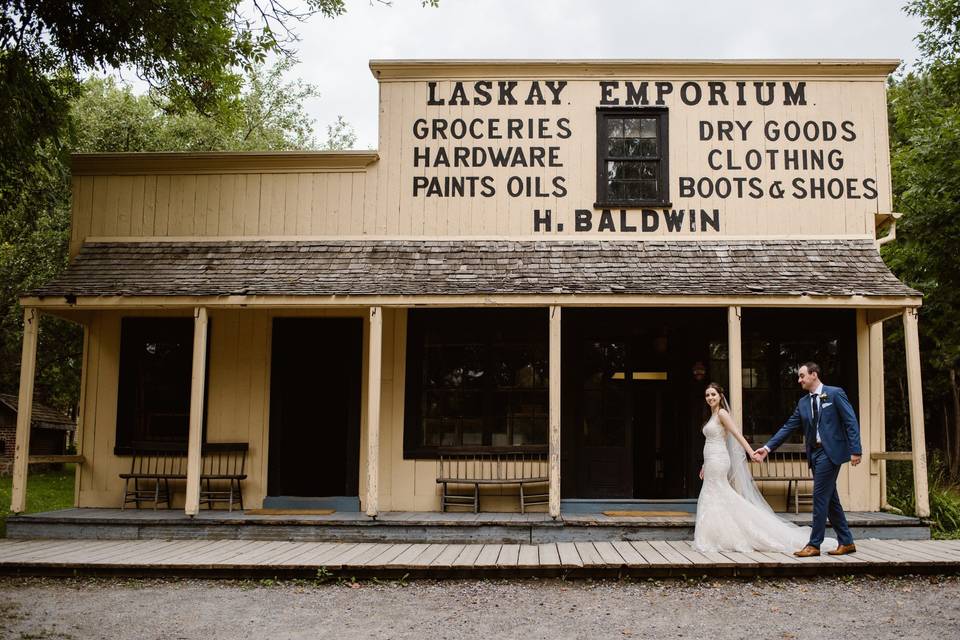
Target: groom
832,436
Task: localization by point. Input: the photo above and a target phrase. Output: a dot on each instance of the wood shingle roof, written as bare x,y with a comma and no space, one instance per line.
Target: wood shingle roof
830,267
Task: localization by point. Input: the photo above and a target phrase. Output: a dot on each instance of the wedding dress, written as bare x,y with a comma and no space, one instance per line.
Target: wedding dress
732,515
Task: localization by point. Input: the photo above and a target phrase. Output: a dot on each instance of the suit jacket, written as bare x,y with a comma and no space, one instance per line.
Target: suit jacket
839,430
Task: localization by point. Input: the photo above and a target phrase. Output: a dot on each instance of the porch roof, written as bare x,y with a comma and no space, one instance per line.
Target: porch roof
769,267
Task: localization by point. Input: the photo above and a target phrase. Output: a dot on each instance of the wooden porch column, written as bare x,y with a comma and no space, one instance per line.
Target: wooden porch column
554,500
373,410
28,368
735,364
915,391
195,439
877,411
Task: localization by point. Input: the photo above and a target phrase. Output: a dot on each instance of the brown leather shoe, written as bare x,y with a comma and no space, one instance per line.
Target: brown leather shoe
843,550
807,552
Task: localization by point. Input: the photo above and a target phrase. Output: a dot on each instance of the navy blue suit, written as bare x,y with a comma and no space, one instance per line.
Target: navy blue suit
839,438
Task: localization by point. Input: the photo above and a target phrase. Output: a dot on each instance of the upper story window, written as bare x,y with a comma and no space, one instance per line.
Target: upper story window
632,160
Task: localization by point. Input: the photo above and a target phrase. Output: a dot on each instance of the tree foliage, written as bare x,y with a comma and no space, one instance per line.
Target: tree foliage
924,115
203,63
106,116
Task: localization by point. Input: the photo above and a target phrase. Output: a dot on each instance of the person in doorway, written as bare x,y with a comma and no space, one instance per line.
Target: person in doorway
832,438
732,515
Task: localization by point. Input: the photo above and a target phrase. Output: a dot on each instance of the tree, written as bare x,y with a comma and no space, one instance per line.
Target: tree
106,116
190,52
340,135
924,115
268,115
194,56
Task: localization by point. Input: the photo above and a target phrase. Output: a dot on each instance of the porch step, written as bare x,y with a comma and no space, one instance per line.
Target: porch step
402,527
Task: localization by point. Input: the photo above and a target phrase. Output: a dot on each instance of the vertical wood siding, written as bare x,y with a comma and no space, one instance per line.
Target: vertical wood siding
380,200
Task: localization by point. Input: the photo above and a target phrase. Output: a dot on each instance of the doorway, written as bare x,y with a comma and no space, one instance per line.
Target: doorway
633,383
315,410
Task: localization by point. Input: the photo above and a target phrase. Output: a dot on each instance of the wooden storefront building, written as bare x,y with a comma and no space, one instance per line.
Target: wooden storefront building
542,258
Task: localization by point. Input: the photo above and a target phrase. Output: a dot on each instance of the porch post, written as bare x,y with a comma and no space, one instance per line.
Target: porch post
28,368
735,364
373,410
915,392
554,500
877,415
195,439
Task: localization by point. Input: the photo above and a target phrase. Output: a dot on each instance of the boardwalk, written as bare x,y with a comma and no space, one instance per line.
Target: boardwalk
244,558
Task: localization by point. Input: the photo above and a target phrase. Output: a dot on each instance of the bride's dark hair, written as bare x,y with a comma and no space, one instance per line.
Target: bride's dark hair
723,398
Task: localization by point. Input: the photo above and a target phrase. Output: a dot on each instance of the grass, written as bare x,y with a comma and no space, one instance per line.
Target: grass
944,497
46,491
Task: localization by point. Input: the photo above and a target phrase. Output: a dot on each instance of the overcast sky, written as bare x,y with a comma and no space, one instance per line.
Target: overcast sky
334,53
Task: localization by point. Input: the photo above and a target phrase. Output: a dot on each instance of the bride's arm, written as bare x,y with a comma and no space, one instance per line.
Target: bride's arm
728,424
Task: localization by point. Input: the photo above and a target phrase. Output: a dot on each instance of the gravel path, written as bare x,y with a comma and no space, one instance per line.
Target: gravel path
862,607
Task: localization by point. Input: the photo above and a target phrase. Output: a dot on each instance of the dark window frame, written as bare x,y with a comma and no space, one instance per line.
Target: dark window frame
126,434
479,330
604,199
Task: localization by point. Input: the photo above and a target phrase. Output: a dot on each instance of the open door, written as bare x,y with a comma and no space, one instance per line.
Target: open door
315,412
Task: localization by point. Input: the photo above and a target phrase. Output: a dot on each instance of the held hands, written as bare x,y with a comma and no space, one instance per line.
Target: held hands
759,455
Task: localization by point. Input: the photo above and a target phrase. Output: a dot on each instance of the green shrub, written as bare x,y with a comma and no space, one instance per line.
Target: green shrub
944,496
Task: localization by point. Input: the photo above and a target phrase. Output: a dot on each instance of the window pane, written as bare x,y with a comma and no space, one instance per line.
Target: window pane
613,170
616,148
628,170
500,437
648,128
522,430
433,432
615,128
647,147
433,404
647,170
647,190
616,190
472,430
631,128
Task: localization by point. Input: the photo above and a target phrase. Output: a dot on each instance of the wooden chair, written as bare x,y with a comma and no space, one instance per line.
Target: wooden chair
151,473
223,463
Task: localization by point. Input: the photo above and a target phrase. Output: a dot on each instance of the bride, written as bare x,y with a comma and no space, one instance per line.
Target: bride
731,513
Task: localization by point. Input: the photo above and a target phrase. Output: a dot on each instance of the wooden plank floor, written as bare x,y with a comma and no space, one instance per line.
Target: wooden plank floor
244,558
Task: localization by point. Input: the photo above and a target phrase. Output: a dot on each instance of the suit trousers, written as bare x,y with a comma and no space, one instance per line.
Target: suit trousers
826,501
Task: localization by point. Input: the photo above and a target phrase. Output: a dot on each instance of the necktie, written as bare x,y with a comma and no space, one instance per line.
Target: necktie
814,405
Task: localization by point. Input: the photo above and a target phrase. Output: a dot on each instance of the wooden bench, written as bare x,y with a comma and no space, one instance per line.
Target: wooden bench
151,472
787,464
476,470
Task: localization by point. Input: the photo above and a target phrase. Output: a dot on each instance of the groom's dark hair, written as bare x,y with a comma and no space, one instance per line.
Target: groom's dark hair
812,367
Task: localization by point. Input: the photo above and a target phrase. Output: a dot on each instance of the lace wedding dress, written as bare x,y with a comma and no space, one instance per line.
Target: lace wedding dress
732,515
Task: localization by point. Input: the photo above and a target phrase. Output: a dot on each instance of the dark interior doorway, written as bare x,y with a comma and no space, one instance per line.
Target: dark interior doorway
315,407
633,382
